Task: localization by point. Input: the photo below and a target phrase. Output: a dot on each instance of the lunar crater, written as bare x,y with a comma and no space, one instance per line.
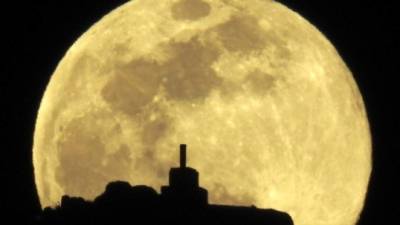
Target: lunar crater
75,175
260,83
190,10
190,74
187,75
241,34
133,86
96,165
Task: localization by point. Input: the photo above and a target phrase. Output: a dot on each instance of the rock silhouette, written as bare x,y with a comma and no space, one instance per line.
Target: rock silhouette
182,202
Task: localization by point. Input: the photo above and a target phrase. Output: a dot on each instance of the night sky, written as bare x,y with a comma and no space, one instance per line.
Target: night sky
37,34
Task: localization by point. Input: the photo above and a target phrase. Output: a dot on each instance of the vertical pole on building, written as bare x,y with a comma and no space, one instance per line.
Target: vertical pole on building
183,155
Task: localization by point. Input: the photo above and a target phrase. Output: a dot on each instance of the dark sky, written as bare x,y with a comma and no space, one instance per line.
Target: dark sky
37,34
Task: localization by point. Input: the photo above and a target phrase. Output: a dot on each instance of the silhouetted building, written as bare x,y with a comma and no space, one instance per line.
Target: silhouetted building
184,186
183,202
184,195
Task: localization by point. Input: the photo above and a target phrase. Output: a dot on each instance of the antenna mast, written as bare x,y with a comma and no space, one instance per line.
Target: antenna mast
183,155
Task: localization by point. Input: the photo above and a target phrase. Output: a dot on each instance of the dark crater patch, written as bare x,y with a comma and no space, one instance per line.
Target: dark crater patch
260,82
119,162
84,167
153,131
133,87
242,33
80,156
189,75
190,10
186,76
257,82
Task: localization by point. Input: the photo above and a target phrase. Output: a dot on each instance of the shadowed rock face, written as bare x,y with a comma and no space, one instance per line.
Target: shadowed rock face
190,10
120,193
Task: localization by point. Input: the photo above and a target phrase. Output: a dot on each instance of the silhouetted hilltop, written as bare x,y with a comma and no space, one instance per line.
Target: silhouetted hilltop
183,202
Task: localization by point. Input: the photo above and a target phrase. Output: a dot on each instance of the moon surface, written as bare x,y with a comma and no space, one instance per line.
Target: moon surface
271,114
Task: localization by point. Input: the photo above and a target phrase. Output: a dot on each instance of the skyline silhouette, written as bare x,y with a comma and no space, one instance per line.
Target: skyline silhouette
183,201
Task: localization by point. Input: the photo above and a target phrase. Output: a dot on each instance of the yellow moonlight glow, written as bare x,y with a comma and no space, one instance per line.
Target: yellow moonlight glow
270,112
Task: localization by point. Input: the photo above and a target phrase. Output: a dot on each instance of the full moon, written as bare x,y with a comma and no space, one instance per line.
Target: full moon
271,114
